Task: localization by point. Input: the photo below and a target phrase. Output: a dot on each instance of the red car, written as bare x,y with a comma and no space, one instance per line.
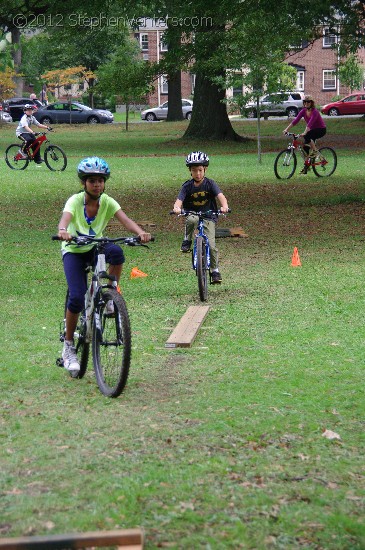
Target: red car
353,104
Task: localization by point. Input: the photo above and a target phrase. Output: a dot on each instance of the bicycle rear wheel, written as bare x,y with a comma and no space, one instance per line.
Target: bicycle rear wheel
325,162
55,158
285,164
201,268
11,159
82,347
111,344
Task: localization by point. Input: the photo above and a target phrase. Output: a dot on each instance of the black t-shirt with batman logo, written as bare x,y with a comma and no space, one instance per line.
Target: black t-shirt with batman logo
201,198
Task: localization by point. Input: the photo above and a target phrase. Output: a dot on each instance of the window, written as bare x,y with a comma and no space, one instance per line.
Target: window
163,43
329,79
328,38
144,42
300,81
163,84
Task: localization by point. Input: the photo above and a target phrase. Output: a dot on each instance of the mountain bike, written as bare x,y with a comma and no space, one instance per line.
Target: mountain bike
109,334
323,162
201,250
54,157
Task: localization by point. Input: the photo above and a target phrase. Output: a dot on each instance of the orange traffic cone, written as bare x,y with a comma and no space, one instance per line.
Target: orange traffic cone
137,273
295,261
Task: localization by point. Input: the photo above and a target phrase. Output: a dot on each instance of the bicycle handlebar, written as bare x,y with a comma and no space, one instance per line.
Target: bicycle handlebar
206,214
83,240
295,136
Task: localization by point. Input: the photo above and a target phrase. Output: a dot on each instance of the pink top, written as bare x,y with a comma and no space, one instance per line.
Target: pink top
313,121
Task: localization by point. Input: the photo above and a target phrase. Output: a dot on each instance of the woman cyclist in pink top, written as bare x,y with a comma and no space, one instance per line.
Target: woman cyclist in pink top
315,127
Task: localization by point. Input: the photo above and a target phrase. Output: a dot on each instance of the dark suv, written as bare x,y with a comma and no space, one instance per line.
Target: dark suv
15,106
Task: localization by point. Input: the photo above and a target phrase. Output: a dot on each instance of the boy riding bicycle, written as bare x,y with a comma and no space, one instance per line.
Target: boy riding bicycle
88,213
199,194
25,133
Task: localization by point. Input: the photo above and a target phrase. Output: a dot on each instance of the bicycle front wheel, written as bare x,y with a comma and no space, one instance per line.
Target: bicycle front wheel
111,343
11,159
325,162
55,158
201,268
285,164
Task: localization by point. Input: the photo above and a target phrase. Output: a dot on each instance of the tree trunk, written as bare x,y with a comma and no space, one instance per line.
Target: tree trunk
209,118
174,92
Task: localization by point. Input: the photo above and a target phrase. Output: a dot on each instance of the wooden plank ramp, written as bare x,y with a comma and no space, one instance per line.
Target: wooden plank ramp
186,330
123,539
222,232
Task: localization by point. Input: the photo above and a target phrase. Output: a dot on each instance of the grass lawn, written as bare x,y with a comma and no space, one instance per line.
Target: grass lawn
216,446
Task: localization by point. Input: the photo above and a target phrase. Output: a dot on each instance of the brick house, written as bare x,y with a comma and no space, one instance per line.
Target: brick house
315,64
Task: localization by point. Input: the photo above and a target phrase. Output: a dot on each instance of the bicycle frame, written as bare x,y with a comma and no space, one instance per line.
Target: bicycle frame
41,138
91,294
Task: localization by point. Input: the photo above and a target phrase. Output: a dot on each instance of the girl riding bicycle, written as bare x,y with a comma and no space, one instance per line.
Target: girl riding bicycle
199,194
315,127
88,213
25,133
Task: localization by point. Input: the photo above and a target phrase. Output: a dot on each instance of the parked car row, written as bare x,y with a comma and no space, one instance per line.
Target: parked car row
289,104
279,104
56,113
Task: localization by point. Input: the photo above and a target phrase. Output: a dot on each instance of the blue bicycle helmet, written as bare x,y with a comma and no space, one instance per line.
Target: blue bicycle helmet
197,158
92,166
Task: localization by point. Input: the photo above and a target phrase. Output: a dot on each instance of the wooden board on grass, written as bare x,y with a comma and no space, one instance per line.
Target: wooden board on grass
126,539
186,330
230,232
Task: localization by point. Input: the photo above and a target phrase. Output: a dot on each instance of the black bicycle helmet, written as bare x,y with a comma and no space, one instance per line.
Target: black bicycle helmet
29,106
92,166
197,158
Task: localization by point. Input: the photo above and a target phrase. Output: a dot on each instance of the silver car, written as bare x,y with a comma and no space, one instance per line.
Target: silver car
160,113
278,104
5,117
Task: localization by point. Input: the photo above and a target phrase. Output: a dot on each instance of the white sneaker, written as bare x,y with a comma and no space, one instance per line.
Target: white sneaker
70,361
109,308
22,154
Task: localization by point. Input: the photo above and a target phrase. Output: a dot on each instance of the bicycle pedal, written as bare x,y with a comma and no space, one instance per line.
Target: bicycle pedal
59,362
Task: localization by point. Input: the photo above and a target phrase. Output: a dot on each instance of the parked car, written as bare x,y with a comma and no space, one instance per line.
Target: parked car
4,116
15,106
74,113
278,104
160,113
353,104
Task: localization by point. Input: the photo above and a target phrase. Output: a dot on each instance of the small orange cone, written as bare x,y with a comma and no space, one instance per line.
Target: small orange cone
295,261
137,273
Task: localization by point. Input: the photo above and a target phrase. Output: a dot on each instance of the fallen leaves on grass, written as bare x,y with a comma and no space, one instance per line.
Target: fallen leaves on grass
329,434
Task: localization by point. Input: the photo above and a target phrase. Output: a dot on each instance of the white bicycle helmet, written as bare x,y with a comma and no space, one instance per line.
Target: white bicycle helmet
91,166
29,106
197,158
